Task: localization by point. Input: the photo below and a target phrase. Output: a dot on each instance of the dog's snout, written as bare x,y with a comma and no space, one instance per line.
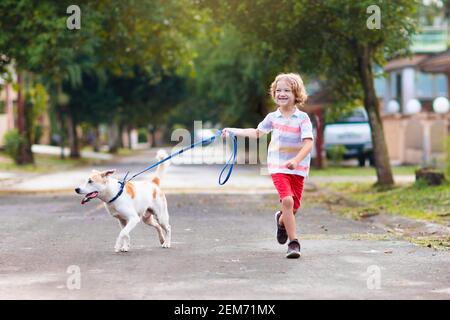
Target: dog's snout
77,190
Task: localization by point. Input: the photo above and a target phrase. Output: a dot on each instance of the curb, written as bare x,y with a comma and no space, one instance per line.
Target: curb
11,192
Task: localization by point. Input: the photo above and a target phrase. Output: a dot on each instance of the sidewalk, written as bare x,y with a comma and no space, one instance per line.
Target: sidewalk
52,150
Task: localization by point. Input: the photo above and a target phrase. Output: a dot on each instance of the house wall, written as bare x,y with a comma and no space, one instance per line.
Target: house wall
3,128
405,137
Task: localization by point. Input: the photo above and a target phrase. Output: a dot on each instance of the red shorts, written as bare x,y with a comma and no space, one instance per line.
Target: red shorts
289,185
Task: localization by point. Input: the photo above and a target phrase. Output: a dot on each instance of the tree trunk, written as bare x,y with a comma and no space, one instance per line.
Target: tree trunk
319,138
152,131
129,137
120,137
114,137
25,156
96,139
382,164
62,135
73,137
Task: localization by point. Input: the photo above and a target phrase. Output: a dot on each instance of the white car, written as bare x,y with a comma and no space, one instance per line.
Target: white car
352,132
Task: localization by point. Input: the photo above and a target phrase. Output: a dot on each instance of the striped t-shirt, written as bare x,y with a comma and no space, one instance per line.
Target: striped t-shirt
286,141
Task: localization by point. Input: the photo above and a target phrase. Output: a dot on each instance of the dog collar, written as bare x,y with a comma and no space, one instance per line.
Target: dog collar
122,185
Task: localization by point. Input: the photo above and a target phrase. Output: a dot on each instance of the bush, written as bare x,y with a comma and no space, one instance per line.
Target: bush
13,140
38,133
142,135
336,154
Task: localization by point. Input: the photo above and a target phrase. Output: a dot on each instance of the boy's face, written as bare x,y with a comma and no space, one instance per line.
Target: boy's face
284,97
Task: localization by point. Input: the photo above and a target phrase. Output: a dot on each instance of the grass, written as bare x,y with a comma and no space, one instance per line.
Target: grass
414,201
437,243
126,152
120,151
44,164
417,201
359,171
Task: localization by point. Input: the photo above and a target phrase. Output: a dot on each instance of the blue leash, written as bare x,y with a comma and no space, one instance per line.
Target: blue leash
229,164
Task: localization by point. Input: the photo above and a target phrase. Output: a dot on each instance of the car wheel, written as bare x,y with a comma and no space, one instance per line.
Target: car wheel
361,160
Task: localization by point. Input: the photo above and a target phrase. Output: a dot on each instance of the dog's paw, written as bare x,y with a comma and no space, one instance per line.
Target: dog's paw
166,244
116,249
125,248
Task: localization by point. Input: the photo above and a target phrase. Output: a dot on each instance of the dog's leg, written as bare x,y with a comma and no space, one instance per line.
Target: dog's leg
123,240
124,245
163,218
149,219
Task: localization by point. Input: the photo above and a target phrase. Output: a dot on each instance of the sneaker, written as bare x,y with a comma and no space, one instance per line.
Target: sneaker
282,236
293,251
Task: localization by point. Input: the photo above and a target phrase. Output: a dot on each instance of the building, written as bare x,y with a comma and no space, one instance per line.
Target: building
417,136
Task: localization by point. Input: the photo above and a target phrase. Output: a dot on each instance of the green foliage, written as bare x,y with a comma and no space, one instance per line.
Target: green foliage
13,140
142,135
232,76
417,201
355,171
116,39
38,133
324,38
331,40
36,99
336,154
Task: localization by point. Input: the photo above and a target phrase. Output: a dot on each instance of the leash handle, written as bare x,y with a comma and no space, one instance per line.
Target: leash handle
231,161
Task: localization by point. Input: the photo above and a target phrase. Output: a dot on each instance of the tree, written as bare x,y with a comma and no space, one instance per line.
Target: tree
35,39
332,38
114,36
230,83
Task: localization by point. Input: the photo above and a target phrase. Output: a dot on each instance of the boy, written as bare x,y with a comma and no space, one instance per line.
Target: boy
289,151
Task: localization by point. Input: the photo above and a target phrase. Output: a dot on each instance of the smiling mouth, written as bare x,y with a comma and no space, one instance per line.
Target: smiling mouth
89,197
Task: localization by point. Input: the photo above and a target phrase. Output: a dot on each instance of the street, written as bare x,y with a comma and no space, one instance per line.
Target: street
342,108
224,247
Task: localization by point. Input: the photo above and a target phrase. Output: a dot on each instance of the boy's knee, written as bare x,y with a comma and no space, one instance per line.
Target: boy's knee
288,202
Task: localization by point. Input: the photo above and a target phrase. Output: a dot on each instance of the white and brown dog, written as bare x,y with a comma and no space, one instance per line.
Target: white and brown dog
141,200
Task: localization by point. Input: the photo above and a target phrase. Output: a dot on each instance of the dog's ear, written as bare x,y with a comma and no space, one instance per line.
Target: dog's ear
108,173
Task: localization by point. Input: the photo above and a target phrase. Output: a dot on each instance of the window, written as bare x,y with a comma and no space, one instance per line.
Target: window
441,85
430,86
393,84
424,85
357,115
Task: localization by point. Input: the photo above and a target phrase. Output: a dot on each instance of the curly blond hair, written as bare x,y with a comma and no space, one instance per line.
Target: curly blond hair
297,86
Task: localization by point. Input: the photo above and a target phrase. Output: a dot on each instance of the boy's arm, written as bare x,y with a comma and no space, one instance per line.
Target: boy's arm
250,132
304,151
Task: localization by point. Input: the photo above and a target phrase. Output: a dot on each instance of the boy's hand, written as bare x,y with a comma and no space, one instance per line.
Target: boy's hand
225,132
291,164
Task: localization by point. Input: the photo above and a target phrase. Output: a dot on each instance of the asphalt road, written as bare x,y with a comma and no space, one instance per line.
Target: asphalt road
224,247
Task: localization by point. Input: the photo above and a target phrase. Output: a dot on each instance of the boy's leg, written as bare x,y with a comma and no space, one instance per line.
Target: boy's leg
280,221
297,190
287,217
289,201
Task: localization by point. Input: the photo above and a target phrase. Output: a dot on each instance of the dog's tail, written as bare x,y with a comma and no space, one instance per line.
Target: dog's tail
162,154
